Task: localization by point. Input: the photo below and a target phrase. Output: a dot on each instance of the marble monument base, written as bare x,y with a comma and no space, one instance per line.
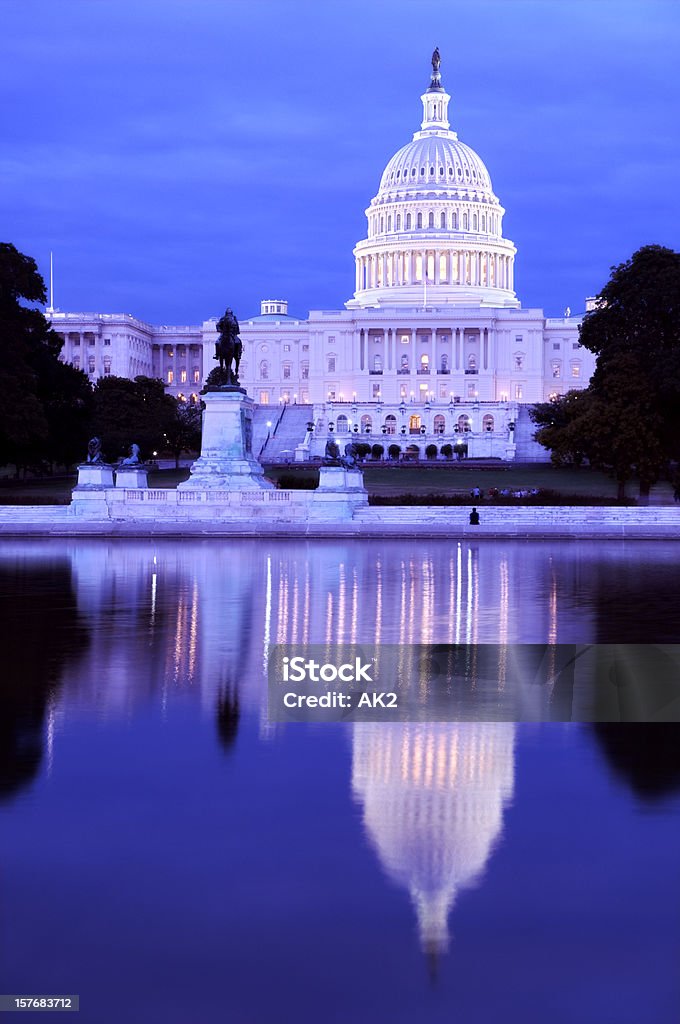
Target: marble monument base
132,477
226,462
88,498
340,492
94,476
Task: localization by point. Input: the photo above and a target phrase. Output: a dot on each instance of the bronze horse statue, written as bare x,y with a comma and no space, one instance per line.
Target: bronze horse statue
229,347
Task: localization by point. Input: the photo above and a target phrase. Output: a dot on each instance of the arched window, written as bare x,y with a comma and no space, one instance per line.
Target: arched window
342,424
454,221
397,222
264,370
483,222
463,424
419,222
366,424
465,222
475,222
487,423
408,221
442,220
377,364
445,363
430,220
390,424
389,223
439,424
382,224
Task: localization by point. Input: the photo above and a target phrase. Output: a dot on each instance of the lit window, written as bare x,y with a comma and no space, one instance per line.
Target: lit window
576,370
197,375
264,398
171,377
286,348
376,391
518,391
182,376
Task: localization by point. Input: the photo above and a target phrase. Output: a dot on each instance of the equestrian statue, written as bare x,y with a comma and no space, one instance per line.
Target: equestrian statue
228,349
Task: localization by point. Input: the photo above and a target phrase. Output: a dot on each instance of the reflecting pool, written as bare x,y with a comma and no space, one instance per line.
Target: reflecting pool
170,855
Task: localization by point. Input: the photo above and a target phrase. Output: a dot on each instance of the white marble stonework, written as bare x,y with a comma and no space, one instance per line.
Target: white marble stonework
227,461
132,477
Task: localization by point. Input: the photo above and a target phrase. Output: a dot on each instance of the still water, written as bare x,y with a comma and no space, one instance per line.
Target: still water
170,855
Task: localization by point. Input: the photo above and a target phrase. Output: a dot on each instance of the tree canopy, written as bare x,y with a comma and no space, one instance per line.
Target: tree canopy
45,408
627,421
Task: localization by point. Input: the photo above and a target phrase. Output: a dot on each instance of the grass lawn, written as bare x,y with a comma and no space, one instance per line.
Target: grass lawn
459,479
444,479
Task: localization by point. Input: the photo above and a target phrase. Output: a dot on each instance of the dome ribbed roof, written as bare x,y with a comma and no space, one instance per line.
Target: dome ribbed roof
435,162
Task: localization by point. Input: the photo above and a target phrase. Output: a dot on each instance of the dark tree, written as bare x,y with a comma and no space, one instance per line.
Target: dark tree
183,433
132,412
637,324
627,422
28,346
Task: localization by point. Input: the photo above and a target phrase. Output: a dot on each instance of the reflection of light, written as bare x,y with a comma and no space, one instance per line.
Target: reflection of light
378,601
267,614
468,607
433,796
153,596
355,606
50,734
459,576
503,621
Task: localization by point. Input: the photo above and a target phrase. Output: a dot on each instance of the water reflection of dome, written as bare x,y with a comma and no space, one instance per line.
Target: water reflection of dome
433,798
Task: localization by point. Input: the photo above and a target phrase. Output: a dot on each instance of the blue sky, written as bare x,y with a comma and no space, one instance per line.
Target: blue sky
180,156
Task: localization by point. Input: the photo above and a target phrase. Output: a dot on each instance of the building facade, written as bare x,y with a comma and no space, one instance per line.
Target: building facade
433,351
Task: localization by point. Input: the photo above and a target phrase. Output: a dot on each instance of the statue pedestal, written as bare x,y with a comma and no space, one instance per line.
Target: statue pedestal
340,492
226,461
132,477
94,476
88,498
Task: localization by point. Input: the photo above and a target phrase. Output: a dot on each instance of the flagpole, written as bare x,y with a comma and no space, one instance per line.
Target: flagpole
50,308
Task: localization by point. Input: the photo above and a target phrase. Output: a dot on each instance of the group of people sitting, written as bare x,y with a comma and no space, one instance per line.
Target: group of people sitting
505,492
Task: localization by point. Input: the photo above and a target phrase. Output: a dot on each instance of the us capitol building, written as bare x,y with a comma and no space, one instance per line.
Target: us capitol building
433,351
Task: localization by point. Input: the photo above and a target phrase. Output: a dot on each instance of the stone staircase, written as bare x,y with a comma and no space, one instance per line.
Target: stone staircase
530,521
528,450
34,513
288,431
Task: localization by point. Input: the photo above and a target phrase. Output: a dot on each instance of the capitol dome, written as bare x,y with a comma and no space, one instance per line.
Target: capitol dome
435,225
